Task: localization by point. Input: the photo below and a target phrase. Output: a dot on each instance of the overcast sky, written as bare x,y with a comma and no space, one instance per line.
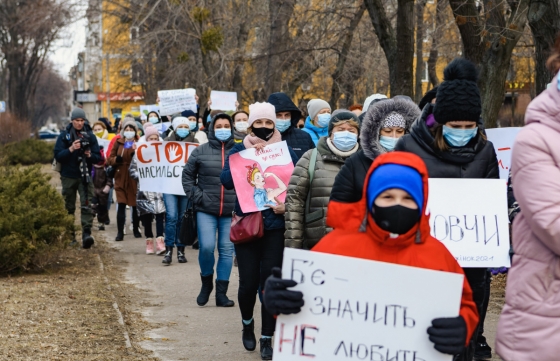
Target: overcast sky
65,53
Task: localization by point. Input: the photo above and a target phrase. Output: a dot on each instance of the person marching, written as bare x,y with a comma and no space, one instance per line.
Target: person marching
256,259
102,184
214,205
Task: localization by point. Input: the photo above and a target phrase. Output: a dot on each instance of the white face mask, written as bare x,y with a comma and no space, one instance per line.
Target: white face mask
241,126
129,134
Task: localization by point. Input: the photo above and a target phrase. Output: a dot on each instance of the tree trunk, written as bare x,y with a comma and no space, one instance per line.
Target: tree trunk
237,79
544,20
343,55
434,52
419,49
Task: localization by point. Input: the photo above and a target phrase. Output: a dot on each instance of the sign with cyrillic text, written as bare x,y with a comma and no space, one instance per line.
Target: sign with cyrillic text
470,217
223,100
503,140
358,309
160,166
175,101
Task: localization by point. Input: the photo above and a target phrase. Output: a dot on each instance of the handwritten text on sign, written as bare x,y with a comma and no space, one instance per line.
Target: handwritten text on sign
503,140
469,216
160,166
175,101
357,309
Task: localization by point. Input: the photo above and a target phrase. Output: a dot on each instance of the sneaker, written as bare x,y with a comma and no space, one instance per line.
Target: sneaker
482,351
160,246
150,246
266,348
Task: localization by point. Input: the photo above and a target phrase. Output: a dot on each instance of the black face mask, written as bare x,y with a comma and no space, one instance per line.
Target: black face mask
263,133
395,219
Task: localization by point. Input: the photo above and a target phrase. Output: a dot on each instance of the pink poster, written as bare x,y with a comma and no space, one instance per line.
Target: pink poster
261,175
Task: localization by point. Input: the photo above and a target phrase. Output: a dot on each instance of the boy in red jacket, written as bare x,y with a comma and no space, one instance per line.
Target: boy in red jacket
395,229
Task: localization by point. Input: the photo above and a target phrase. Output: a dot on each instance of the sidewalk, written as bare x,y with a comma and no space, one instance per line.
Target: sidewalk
182,329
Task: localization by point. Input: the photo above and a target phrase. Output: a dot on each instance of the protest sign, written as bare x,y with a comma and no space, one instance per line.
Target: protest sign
160,166
261,175
146,109
104,143
175,101
357,309
470,217
162,127
223,100
503,139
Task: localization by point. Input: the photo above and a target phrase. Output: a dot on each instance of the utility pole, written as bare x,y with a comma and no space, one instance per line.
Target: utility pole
107,78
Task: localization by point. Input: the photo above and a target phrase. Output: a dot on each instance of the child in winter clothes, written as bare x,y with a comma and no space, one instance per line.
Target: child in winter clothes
396,230
150,205
101,187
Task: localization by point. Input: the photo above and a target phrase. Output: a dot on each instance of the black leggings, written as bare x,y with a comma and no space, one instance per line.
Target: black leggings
121,217
146,220
255,261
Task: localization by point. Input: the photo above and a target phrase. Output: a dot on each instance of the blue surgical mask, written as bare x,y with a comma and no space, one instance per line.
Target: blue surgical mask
345,140
388,142
192,125
283,125
458,137
154,120
222,134
323,120
182,132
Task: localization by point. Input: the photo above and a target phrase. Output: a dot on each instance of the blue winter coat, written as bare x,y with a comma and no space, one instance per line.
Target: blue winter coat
315,132
271,220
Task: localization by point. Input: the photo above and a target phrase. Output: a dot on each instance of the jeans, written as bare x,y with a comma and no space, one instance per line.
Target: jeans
175,207
255,261
207,225
147,219
70,187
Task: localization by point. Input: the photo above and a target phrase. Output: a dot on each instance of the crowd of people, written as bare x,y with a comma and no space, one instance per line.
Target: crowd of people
359,188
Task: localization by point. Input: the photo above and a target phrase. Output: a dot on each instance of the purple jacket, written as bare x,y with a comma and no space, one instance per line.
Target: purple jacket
529,327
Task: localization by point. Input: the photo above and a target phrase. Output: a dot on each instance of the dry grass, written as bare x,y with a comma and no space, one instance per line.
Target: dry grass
13,130
67,313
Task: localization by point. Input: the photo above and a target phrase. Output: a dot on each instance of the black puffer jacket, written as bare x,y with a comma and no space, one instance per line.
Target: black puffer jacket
475,160
349,183
201,175
69,161
297,139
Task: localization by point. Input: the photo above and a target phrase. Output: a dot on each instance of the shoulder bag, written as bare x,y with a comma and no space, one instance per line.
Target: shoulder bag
319,214
246,229
188,232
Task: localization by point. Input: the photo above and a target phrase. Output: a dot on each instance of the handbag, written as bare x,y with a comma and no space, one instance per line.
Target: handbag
188,232
246,229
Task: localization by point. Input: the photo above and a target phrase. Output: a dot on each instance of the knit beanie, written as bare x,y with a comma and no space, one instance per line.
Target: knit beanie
140,127
261,111
78,113
394,119
458,97
371,99
188,113
149,129
126,122
315,106
178,121
427,98
389,176
340,115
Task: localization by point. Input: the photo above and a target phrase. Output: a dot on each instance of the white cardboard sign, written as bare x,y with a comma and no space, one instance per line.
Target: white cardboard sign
104,143
145,109
503,140
160,166
358,309
470,217
223,100
175,101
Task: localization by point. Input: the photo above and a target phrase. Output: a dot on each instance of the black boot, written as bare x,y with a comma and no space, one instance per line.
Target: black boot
249,340
205,290
167,257
87,239
266,348
120,227
181,255
222,299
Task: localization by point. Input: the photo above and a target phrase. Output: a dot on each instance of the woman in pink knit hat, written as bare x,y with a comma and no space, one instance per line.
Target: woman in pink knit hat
256,259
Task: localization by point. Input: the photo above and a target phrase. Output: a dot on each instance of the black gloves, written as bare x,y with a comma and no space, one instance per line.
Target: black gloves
119,159
132,154
277,299
449,335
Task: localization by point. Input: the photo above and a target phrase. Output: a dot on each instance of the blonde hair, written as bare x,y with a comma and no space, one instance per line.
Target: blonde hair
350,122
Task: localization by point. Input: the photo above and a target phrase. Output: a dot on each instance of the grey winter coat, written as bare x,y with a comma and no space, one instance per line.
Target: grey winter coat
299,233
146,202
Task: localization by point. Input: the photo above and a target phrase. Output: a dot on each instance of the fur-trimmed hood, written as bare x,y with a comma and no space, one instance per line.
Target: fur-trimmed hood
376,114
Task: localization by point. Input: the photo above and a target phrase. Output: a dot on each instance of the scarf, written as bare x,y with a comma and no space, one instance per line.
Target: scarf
340,153
251,140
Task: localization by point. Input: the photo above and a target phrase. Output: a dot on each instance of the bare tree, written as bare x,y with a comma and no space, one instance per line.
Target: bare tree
544,20
420,5
51,95
489,32
28,30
